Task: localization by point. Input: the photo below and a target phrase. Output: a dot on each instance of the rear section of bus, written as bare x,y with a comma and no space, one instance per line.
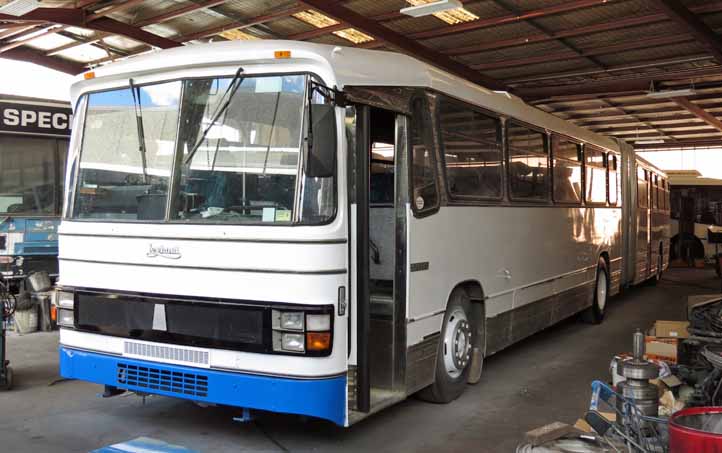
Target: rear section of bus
204,243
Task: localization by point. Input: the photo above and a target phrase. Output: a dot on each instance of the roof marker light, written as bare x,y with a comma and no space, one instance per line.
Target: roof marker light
89,75
282,54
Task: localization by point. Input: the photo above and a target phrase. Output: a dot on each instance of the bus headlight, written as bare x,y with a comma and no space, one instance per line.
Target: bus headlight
65,299
292,342
301,332
291,320
66,318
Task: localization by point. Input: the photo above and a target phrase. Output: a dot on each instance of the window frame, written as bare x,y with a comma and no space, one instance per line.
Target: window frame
220,73
611,156
553,157
604,166
468,199
427,135
507,153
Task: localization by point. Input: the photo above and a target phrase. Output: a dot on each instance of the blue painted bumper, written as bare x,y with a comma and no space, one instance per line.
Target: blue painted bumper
323,398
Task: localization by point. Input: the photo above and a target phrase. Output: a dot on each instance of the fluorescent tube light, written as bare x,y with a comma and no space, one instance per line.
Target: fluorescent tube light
666,94
649,142
19,7
431,8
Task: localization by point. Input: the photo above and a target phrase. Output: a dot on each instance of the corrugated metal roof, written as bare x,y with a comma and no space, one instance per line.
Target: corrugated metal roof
531,46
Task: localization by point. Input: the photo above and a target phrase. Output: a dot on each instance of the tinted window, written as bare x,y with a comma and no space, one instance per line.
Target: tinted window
612,166
472,151
567,170
528,163
642,192
596,175
118,179
423,168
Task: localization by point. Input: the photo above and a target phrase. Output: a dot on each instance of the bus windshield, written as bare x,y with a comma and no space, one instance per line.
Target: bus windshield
217,150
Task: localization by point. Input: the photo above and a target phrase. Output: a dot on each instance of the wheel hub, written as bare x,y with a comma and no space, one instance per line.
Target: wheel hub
457,343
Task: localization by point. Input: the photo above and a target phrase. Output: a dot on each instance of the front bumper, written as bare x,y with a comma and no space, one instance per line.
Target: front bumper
323,398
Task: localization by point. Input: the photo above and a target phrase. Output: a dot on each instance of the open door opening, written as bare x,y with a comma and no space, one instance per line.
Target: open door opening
381,237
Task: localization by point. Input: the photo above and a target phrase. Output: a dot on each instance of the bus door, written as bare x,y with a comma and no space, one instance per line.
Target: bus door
378,170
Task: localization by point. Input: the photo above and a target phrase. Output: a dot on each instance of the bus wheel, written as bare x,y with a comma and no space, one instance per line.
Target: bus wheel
658,276
454,352
595,313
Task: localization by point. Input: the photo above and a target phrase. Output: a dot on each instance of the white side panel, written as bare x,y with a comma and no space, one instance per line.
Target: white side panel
517,254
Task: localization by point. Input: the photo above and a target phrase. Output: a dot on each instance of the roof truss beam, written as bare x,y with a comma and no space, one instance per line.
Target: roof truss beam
75,18
694,25
699,112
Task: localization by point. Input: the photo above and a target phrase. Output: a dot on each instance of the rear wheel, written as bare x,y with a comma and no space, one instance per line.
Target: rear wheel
8,384
658,275
454,353
595,313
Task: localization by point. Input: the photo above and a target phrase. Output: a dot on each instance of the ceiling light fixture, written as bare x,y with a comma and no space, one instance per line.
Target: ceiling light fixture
666,94
431,8
649,142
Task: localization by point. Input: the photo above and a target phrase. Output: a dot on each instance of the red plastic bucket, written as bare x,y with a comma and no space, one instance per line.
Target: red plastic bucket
696,430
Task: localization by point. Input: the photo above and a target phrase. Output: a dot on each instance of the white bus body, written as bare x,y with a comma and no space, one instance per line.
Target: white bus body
186,304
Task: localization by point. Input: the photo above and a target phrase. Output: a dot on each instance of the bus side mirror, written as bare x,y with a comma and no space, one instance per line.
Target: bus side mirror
321,154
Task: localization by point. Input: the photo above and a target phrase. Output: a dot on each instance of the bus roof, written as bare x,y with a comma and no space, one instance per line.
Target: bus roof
351,67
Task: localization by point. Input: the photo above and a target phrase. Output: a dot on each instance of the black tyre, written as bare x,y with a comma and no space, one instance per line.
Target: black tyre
9,376
595,313
454,353
658,275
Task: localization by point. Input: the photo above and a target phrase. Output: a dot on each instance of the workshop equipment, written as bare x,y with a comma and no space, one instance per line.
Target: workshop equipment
7,308
638,371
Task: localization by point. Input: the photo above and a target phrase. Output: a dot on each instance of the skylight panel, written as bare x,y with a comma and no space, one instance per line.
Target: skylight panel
238,35
315,18
353,35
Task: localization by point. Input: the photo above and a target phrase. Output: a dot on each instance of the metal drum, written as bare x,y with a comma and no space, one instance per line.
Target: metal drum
696,430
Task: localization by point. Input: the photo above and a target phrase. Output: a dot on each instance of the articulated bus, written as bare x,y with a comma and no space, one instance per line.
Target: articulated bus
320,230
34,135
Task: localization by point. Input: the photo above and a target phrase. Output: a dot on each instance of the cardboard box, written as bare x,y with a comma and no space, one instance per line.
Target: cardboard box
671,329
665,349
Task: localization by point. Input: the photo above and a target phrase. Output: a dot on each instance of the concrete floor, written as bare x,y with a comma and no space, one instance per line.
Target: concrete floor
540,380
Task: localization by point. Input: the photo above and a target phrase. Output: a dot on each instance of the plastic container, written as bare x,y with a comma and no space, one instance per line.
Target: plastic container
26,321
696,430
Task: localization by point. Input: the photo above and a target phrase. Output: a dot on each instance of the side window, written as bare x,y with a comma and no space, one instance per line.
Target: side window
567,170
596,175
655,191
642,194
472,151
528,163
425,197
613,171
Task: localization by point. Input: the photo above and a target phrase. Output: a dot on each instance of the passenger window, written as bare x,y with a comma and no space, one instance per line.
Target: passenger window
528,163
596,175
642,191
423,164
655,192
472,151
613,172
567,169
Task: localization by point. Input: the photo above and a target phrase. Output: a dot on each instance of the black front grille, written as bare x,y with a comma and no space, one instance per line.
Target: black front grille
193,323
163,379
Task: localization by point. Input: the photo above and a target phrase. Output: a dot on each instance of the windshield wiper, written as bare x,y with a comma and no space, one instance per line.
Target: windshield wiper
230,92
141,131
